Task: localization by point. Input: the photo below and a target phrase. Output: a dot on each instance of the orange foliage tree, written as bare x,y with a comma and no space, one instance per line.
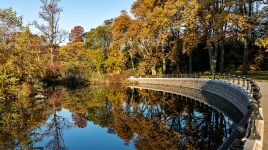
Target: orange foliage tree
77,34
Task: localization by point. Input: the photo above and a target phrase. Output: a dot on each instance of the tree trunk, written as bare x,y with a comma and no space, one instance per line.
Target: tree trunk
51,55
164,66
164,60
132,61
153,70
178,66
222,57
212,57
190,63
245,57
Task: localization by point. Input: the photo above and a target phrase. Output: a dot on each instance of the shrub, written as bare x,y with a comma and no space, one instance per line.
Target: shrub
120,78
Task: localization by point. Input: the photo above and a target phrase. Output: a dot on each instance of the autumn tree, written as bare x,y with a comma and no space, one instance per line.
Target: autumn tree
250,19
162,23
50,13
189,26
98,59
76,34
121,40
150,32
100,37
74,57
212,21
10,23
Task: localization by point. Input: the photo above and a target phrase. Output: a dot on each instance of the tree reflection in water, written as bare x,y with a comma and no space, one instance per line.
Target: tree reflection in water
56,124
155,121
148,119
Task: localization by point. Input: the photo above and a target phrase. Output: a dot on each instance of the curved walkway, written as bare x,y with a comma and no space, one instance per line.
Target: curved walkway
264,105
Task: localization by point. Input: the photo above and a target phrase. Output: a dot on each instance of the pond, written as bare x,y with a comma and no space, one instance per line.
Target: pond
109,117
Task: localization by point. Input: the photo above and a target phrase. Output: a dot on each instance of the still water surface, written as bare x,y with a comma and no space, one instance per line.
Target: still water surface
109,117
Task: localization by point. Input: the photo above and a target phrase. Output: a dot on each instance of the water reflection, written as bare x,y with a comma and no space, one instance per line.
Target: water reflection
141,119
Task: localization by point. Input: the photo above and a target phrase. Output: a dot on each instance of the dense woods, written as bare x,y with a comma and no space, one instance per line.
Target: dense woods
155,37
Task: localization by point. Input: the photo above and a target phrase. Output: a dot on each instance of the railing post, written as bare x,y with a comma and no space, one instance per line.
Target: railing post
238,83
248,83
233,78
251,88
257,96
209,75
224,77
200,75
228,77
243,81
253,132
214,76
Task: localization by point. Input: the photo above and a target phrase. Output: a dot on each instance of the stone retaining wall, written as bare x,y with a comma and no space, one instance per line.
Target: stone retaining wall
236,95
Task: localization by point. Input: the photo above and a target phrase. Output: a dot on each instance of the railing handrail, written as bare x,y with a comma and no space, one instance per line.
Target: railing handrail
238,130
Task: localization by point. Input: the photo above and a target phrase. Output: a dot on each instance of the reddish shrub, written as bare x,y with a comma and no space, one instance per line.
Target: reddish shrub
54,68
117,88
119,78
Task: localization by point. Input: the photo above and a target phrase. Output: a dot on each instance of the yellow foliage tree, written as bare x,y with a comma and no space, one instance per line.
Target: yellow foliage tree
74,58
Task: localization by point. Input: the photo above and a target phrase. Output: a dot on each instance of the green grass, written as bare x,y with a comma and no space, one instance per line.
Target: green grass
249,75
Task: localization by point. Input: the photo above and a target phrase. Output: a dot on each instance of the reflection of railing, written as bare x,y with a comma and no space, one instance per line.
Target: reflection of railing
238,131
207,99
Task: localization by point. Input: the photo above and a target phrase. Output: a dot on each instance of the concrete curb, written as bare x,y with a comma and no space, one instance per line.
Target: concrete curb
256,144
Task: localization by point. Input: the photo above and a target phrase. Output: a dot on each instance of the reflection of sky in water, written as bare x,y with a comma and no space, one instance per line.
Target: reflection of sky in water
90,137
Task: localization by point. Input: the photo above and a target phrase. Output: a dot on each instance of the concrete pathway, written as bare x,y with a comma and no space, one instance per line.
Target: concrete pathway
264,105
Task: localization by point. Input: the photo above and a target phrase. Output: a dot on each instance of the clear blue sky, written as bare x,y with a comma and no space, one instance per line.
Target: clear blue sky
86,13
